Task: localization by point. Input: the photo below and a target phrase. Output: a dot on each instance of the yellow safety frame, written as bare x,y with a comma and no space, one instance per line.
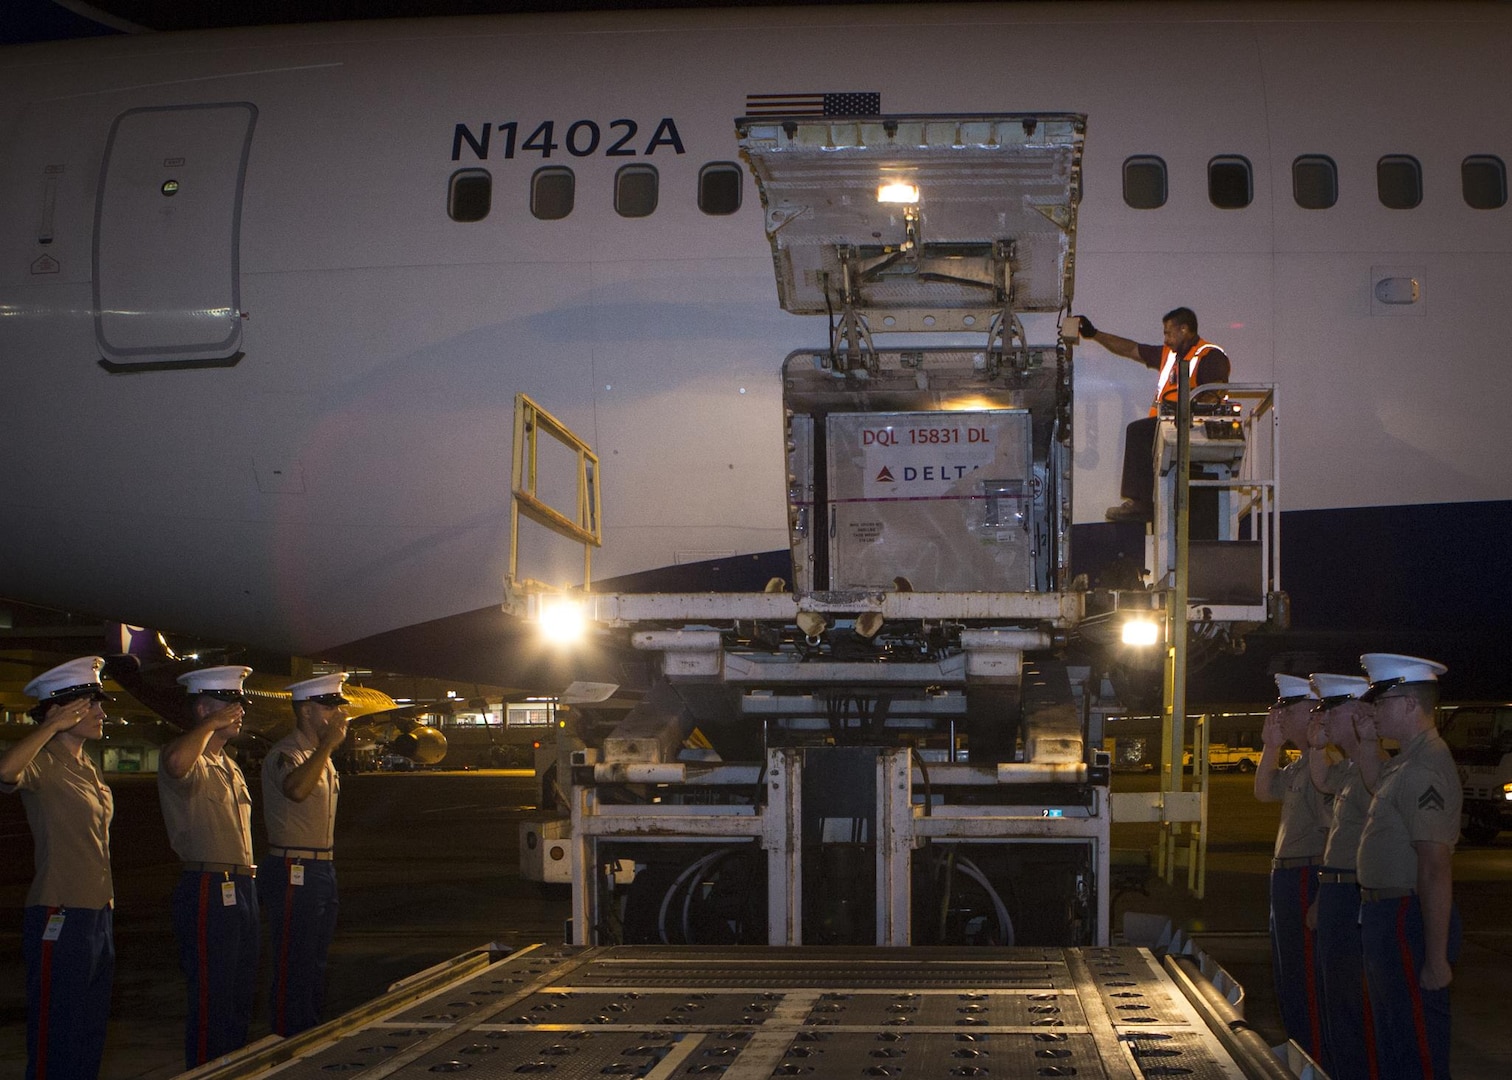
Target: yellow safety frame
530,422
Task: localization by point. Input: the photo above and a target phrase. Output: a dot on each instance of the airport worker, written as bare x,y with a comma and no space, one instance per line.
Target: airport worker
297,882
1409,927
208,811
67,935
1182,349
1342,720
1305,815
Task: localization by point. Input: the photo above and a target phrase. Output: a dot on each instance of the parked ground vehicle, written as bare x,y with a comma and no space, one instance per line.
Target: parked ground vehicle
1480,737
1223,756
1240,757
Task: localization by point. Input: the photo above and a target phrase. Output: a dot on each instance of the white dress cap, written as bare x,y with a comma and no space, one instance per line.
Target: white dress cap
75,677
1293,686
1339,686
214,678
319,686
1394,668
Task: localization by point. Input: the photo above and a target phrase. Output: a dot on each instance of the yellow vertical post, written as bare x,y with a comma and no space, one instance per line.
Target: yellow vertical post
1170,766
515,479
1197,848
1173,704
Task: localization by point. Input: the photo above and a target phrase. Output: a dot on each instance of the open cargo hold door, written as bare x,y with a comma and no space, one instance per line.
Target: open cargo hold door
920,223
948,466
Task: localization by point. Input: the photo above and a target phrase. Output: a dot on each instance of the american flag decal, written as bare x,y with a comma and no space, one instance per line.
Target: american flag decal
835,103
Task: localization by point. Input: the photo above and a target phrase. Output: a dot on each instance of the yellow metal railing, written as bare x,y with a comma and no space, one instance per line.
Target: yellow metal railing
530,422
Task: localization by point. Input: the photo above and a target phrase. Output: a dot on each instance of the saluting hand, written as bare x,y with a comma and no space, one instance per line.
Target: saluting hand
1272,734
1317,732
228,715
70,716
334,732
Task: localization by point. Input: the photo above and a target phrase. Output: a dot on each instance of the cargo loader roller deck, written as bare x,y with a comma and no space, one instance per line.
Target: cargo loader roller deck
572,1013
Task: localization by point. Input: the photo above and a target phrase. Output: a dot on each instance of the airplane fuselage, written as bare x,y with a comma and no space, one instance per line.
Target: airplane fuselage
348,473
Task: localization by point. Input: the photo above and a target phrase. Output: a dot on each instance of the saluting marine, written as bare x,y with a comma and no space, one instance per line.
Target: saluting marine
297,885
208,811
1409,926
1341,719
1305,816
67,935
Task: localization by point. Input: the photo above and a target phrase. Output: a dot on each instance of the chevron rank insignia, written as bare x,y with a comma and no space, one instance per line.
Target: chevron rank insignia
1430,799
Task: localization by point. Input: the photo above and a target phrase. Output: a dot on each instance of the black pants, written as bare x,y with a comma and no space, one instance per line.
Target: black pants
1139,480
1139,461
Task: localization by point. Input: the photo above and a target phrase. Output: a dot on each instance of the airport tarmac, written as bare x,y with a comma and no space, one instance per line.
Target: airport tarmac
427,871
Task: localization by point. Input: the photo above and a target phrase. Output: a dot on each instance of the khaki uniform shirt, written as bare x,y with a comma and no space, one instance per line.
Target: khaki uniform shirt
1418,799
310,824
69,807
1351,804
1305,812
208,811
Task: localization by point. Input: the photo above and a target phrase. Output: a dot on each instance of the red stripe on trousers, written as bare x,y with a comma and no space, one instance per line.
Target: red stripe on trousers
202,942
1419,1024
45,1005
1309,943
283,949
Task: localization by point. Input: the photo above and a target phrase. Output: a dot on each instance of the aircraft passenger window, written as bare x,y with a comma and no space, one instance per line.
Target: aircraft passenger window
719,187
635,188
1315,182
552,191
469,195
1230,186
1144,182
1485,182
1399,181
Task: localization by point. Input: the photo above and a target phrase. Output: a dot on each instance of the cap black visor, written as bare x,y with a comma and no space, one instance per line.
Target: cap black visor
1335,701
74,693
66,697
1376,689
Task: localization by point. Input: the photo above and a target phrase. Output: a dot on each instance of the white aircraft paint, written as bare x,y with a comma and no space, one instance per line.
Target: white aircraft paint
349,475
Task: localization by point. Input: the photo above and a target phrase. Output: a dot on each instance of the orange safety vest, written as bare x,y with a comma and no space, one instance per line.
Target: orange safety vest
1166,389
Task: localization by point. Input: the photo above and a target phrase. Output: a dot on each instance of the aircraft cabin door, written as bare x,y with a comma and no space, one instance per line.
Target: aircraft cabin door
167,285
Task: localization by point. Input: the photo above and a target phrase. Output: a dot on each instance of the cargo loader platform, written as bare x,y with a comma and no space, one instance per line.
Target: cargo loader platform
746,1013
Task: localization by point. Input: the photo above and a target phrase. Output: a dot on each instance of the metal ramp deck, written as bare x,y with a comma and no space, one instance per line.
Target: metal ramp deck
572,1013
